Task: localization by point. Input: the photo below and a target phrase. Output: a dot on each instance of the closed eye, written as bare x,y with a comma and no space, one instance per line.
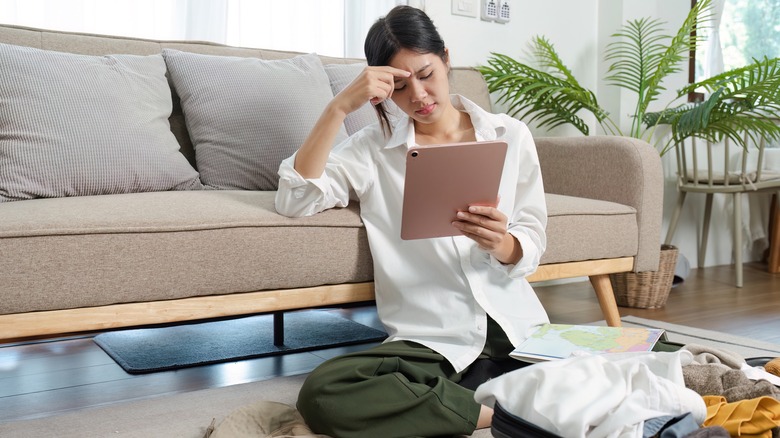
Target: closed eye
401,85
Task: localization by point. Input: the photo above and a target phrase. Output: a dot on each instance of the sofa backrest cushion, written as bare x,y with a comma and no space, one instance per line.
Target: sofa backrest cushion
74,125
463,80
246,115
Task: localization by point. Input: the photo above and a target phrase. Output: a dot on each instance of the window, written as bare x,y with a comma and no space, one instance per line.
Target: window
741,31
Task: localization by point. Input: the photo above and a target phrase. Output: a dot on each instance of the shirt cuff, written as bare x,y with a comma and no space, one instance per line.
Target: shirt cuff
297,183
527,264
298,196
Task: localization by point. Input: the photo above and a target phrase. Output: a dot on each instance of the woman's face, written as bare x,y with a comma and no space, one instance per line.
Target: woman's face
425,94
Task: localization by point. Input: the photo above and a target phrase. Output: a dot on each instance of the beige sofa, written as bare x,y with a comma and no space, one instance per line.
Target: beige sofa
82,263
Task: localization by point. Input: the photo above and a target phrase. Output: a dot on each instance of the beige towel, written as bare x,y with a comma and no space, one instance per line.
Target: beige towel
265,419
705,355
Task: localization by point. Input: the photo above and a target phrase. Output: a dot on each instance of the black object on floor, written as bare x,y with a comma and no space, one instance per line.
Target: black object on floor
168,348
758,361
506,425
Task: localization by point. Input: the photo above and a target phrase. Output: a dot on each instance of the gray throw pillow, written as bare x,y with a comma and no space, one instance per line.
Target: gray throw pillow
340,76
73,125
246,115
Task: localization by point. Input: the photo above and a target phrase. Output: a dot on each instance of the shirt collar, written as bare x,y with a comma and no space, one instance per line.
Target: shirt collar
486,125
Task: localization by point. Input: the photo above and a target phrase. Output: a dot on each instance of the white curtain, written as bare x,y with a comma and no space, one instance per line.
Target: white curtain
203,20
359,15
327,27
139,18
713,50
301,25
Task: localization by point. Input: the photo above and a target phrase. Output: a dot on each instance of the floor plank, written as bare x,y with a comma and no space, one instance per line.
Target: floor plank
70,396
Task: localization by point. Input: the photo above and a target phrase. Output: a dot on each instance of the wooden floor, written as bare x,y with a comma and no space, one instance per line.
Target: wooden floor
46,377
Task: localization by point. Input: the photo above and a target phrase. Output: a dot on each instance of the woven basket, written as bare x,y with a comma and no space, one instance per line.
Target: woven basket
649,289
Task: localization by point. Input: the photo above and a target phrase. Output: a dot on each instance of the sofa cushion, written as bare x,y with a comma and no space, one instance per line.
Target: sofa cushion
212,242
340,76
246,115
100,250
74,125
588,229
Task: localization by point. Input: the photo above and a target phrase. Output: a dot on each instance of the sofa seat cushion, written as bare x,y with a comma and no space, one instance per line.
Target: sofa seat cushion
588,229
98,250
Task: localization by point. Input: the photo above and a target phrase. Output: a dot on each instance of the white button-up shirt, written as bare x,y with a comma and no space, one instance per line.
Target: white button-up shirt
436,292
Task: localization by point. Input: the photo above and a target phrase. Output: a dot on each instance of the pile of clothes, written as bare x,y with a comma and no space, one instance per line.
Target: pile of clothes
695,392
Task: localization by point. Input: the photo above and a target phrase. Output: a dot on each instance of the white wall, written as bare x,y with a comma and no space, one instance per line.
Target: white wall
580,30
574,34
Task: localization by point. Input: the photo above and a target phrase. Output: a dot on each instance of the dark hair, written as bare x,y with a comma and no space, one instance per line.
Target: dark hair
404,27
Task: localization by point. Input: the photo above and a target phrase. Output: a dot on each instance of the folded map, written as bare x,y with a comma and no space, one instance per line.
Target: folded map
559,341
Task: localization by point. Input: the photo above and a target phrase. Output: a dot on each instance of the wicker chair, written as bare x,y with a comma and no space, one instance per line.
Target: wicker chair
699,175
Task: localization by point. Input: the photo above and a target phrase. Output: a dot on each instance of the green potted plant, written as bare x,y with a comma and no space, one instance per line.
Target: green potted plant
640,58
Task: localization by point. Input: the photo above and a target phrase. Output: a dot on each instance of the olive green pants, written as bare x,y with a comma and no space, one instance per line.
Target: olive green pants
403,389
396,389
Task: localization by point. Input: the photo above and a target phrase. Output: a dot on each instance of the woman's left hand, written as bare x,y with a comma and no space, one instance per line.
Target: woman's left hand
488,227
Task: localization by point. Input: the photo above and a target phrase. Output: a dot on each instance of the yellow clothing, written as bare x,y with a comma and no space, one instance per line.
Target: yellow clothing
750,418
773,366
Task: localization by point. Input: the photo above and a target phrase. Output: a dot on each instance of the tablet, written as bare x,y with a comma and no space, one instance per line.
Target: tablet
444,179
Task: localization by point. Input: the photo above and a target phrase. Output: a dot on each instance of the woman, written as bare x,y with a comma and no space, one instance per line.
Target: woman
445,302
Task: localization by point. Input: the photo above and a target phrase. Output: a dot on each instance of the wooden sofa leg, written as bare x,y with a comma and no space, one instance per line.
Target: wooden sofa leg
606,299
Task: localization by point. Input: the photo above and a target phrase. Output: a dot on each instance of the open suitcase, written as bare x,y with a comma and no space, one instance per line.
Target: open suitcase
507,425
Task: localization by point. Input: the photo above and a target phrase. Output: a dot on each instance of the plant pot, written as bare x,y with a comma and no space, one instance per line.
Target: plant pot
648,289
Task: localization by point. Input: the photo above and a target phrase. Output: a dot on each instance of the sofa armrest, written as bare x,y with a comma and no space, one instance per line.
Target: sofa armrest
610,168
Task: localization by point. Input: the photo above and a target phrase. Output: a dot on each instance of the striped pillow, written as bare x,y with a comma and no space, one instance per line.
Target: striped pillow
73,125
246,115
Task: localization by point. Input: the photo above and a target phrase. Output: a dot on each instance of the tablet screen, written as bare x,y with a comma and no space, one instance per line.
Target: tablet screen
444,179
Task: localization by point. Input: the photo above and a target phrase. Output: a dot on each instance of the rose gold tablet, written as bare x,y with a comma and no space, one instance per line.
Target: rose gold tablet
443,179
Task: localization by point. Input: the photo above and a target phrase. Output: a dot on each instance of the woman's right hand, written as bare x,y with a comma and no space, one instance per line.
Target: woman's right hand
373,84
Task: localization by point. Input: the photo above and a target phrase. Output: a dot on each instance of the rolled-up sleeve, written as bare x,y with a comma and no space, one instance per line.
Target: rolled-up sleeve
349,168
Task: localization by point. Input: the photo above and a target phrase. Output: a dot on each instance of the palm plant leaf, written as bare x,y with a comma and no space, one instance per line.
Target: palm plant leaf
635,54
643,56
678,50
759,79
732,119
697,119
667,116
549,99
744,100
548,58
635,57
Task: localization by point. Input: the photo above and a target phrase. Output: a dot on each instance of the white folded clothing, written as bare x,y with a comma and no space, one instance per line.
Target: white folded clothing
600,396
